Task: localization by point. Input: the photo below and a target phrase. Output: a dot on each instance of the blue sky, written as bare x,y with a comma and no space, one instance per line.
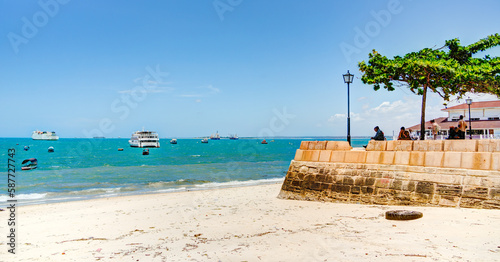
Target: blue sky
190,68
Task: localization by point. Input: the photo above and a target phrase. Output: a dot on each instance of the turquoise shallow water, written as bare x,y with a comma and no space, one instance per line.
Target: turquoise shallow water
90,168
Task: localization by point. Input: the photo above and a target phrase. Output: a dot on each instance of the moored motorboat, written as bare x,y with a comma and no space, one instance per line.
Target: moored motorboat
173,141
204,140
145,152
263,142
29,164
51,149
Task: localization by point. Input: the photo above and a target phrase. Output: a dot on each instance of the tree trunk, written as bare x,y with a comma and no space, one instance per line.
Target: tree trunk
422,115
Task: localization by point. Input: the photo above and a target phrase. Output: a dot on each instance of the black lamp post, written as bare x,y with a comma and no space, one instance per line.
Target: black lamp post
469,101
348,79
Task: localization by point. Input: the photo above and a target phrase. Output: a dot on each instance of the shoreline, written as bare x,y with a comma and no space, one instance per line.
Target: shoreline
179,189
247,224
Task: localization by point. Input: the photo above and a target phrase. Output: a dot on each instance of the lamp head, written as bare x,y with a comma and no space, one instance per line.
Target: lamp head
348,77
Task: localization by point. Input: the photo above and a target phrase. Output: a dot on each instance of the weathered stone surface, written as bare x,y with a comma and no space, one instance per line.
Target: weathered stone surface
355,156
376,145
373,157
298,155
311,145
452,159
391,145
348,180
355,190
337,156
425,187
421,197
433,159
402,158
491,204
476,160
428,145
488,145
495,193
460,145
450,201
338,145
404,145
449,190
470,202
495,161
387,157
310,155
324,155
417,158
383,182
475,192
396,184
426,177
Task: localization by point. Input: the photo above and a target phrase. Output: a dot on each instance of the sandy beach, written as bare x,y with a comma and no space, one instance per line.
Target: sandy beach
246,224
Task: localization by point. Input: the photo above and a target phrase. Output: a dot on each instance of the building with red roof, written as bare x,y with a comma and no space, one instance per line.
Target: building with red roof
484,116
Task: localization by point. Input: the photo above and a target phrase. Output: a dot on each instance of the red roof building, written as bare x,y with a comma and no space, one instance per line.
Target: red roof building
484,116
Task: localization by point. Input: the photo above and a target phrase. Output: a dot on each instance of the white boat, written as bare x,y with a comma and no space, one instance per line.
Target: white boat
44,135
144,139
233,137
173,141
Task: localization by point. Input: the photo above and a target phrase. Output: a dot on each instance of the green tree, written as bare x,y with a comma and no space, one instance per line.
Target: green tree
448,71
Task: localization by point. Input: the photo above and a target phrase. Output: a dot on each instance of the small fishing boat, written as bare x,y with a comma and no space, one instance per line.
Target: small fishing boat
204,140
26,148
264,142
145,152
51,149
233,137
173,141
120,149
29,164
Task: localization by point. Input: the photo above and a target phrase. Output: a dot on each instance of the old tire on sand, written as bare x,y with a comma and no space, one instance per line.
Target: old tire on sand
403,215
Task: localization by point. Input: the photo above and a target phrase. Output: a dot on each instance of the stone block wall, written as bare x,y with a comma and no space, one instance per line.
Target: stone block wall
451,173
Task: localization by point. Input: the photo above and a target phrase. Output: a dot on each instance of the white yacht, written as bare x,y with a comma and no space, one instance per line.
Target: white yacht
44,135
144,139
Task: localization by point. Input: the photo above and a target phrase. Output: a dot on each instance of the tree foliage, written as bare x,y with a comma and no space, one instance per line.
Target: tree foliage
451,70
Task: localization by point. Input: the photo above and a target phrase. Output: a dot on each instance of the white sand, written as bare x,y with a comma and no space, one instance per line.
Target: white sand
246,224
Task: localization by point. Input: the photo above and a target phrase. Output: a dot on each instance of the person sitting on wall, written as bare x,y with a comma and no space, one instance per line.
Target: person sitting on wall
404,134
435,129
461,127
451,133
379,135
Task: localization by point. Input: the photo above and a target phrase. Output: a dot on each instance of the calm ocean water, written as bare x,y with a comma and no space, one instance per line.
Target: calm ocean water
92,168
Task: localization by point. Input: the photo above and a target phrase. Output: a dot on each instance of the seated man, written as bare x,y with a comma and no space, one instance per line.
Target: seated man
379,135
404,134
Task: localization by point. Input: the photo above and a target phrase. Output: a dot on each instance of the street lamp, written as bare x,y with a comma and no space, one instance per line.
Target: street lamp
469,101
348,79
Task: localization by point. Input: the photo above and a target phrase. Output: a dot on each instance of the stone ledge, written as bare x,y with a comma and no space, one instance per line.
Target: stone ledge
392,184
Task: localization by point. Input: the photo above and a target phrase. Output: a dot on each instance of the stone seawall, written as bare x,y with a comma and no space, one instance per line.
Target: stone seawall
451,173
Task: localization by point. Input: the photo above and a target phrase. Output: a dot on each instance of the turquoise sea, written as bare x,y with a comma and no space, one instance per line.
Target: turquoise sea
92,168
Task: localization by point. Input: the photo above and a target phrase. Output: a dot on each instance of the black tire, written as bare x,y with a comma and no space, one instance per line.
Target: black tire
403,215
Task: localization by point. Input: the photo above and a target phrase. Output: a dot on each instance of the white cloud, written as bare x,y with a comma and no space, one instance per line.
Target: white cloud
343,117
